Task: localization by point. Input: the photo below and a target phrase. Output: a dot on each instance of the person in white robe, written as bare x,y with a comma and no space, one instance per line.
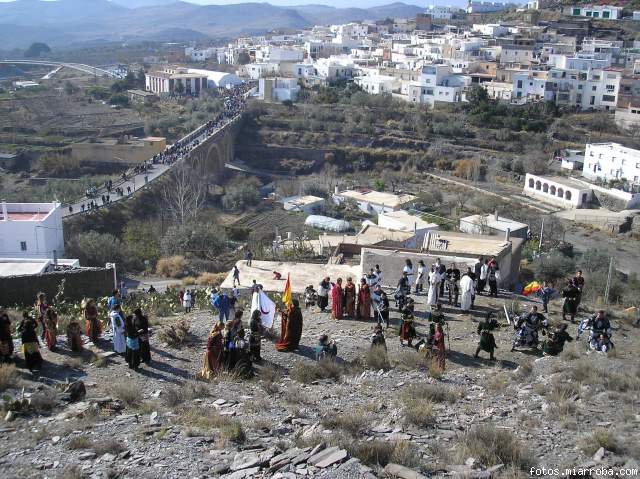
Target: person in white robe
408,268
467,290
117,329
422,274
434,287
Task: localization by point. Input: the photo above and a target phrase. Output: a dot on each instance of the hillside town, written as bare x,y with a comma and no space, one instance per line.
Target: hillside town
401,247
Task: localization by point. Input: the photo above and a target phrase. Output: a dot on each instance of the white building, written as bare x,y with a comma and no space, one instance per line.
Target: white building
307,204
628,118
493,224
532,86
378,84
636,15
611,161
571,159
218,79
566,193
485,7
259,70
490,29
175,80
605,12
441,12
278,89
200,54
31,230
402,220
375,202
438,83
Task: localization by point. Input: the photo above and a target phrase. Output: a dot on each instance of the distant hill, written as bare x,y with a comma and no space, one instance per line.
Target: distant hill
66,22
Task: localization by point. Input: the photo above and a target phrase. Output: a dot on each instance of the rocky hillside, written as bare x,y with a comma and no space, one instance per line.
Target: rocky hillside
363,416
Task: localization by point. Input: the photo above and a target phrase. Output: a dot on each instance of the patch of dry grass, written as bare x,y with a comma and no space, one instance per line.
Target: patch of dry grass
419,412
490,446
211,279
174,396
410,360
79,442
9,377
436,393
354,423
230,430
174,335
305,372
171,267
523,372
128,392
601,437
104,446
377,358
498,383
295,395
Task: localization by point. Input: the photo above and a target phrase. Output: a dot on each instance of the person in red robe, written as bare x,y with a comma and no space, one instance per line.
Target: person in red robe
364,300
350,298
92,323
51,328
336,297
290,329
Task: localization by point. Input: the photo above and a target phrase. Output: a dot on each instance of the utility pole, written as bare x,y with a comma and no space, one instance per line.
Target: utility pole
606,291
541,234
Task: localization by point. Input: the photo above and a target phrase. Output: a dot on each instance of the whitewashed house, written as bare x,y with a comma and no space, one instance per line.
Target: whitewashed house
31,230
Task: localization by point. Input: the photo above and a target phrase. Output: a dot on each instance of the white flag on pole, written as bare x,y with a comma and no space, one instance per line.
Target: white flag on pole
267,308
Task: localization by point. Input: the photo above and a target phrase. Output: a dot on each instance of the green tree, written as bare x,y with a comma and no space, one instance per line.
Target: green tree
379,185
241,193
95,249
69,89
141,242
119,99
36,50
198,239
179,88
243,58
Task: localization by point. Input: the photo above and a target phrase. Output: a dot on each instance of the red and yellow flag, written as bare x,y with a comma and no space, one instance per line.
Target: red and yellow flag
287,298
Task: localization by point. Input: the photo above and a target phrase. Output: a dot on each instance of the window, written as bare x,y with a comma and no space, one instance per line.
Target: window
611,88
519,84
592,101
594,88
606,14
23,246
576,11
579,87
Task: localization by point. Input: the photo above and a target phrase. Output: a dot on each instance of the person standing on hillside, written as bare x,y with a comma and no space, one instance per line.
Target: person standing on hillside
438,345
291,328
350,298
467,289
92,323
41,310
571,295
337,298
578,281
364,301
30,346
6,340
141,322
477,269
323,293
422,274
236,275
117,329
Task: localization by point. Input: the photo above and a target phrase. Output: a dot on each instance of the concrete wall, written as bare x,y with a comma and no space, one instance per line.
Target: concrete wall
127,154
79,283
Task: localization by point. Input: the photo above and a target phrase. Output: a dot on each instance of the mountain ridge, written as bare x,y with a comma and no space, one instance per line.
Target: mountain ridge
80,21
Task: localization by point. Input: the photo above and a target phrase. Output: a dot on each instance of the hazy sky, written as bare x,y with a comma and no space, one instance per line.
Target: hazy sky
334,3
340,3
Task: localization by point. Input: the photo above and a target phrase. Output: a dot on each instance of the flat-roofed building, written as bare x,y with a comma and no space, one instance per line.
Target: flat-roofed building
493,224
557,190
374,202
308,204
31,230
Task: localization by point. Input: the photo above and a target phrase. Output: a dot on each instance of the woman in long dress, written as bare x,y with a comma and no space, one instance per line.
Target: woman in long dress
213,355
51,328
291,328
434,286
438,345
364,301
336,300
117,329
350,298
132,353
74,336
92,323
41,311
6,340
30,345
142,323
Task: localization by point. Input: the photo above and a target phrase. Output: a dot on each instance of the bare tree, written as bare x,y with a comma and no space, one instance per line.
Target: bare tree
185,194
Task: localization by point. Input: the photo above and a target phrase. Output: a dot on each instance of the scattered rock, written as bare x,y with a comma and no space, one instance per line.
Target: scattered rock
10,416
245,460
153,418
402,472
599,455
55,439
74,392
87,456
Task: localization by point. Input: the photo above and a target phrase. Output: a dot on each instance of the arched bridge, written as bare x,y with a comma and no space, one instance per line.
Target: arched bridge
74,66
208,151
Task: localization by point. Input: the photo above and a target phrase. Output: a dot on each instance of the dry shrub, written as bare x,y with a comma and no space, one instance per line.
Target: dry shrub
8,377
524,371
437,393
408,360
79,442
128,392
175,396
230,430
211,279
352,423
174,335
435,371
584,372
306,373
498,383
419,412
71,471
601,437
490,446
295,395
377,358
188,281
171,267
44,400
104,446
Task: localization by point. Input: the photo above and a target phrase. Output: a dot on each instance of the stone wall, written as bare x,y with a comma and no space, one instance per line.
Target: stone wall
79,283
609,202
